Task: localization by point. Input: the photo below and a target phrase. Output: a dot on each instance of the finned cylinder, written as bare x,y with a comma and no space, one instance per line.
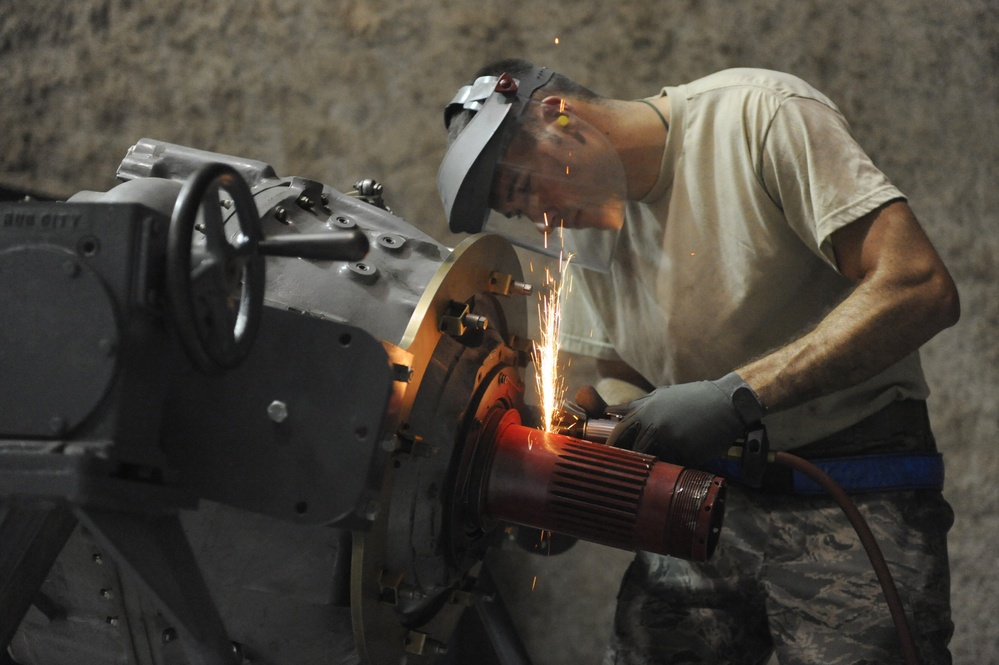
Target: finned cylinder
595,492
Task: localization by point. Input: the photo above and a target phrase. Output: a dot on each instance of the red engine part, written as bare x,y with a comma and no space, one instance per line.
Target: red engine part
598,493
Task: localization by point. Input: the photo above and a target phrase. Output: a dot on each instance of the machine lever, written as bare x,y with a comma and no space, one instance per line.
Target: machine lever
338,246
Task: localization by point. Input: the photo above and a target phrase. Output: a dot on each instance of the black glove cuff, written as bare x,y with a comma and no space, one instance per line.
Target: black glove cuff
747,403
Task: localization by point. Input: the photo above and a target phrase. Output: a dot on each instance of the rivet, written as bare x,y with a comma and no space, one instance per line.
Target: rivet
277,411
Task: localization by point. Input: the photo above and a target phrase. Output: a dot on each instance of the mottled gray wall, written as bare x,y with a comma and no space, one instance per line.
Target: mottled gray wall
339,91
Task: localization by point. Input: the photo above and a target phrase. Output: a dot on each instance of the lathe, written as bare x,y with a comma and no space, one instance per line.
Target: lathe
247,418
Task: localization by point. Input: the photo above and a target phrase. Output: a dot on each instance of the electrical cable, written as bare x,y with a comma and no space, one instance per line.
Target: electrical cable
870,545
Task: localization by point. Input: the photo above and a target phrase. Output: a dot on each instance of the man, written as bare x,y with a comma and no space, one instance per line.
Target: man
750,261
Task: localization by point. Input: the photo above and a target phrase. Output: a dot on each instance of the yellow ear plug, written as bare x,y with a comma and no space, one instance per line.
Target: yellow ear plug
563,120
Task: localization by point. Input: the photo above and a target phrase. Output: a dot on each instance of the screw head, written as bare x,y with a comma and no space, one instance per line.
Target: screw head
277,411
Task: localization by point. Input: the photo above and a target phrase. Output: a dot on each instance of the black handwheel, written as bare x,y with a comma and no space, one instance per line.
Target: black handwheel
216,292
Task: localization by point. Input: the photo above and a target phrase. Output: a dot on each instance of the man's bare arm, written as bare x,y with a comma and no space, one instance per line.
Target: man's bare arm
904,295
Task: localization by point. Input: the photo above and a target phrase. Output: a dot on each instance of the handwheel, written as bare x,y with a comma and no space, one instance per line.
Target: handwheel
216,291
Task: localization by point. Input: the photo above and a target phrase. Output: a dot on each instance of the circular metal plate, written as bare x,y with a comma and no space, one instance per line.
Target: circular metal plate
58,341
403,568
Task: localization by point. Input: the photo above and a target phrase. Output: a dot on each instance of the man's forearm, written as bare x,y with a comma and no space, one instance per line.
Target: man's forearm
899,304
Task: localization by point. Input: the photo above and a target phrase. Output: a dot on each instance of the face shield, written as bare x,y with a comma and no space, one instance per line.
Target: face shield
536,174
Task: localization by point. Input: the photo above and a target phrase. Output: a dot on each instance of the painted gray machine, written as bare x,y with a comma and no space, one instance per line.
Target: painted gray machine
251,419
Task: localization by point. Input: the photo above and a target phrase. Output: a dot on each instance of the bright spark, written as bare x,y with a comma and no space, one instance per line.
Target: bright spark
551,385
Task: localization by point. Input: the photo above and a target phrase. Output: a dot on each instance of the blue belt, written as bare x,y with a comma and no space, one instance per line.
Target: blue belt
863,473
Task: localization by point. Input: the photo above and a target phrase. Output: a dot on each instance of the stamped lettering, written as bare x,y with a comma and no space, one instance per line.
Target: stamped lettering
58,221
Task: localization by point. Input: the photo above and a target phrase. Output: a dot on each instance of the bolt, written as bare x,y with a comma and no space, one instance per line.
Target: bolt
475,321
521,288
407,592
113,622
391,242
226,203
281,215
106,594
277,411
98,559
368,187
169,635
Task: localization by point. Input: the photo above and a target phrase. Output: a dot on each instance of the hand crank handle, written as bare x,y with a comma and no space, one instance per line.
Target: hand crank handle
335,246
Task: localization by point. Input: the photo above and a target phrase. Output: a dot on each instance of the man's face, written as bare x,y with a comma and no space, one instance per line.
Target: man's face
564,174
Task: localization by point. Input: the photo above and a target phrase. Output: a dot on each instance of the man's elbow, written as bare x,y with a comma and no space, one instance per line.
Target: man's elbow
945,298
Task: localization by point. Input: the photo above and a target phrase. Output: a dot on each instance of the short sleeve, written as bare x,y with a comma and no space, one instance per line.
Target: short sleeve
813,168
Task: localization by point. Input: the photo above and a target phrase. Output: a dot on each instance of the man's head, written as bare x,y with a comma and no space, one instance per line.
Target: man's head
518,148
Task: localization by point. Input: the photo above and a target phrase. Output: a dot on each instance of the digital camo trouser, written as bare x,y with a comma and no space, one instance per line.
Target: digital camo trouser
790,576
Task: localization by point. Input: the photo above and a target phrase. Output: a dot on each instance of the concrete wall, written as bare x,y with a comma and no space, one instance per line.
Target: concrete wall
343,90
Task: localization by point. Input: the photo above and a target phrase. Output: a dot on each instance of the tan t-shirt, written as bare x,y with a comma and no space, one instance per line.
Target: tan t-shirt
729,256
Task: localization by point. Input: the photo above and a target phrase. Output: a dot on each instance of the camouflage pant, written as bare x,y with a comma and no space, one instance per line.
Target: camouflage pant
790,577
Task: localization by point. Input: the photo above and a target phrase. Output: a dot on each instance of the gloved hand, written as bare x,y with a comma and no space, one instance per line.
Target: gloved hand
690,423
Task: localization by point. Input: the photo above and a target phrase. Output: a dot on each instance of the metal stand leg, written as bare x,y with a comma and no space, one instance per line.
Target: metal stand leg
154,550
33,534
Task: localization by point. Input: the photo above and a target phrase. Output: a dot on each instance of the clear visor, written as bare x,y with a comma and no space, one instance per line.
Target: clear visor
559,188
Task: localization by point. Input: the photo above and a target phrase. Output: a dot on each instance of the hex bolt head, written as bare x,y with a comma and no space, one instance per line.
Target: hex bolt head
475,321
277,411
521,288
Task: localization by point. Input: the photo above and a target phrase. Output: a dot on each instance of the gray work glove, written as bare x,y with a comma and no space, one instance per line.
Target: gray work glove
690,423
